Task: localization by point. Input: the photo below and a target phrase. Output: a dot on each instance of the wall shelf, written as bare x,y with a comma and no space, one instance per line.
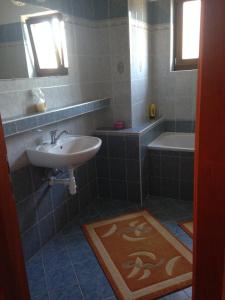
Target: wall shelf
27,123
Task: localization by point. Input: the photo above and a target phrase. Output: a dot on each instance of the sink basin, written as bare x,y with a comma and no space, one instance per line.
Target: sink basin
69,152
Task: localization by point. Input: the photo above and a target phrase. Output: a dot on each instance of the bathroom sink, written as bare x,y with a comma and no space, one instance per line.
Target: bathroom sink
69,152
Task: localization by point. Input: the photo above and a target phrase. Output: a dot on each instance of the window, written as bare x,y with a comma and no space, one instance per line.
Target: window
48,42
186,34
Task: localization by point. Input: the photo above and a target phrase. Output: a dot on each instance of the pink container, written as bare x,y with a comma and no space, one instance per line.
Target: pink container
118,125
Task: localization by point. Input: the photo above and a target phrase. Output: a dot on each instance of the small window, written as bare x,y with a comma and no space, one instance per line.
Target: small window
48,42
187,16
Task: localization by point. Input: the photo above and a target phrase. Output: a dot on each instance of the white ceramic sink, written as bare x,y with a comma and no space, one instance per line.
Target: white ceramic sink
69,152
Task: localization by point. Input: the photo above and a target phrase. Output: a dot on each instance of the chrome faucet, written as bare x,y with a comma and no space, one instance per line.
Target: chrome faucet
54,137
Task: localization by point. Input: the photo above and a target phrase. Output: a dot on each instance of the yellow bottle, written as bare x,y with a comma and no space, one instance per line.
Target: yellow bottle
152,111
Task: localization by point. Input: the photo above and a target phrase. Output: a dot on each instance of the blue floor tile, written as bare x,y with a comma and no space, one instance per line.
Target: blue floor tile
66,267
79,250
95,290
68,293
61,278
188,291
56,260
71,229
36,276
55,254
41,297
175,296
86,268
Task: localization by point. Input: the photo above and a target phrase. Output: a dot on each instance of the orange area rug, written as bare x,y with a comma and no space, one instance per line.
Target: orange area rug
187,227
140,257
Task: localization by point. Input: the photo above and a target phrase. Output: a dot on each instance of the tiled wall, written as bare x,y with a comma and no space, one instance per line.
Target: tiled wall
122,162
12,54
99,67
174,92
89,74
159,12
145,139
89,9
96,52
11,66
140,52
152,80
171,174
120,64
11,33
179,126
118,168
44,210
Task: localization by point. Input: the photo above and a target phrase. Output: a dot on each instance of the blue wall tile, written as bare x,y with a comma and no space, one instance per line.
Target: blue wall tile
38,120
73,205
102,167
43,201
24,124
101,9
59,195
132,147
133,170
116,146
104,187
82,176
44,210
47,228
22,184
11,33
133,189
117,169
103,152
61,216
9,129
119,190
118,8
31,242
27,213
159,12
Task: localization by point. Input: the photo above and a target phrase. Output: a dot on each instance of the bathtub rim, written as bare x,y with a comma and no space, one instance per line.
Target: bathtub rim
154,146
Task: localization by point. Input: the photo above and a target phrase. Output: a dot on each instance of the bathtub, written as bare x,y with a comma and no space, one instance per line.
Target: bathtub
174,141
171,166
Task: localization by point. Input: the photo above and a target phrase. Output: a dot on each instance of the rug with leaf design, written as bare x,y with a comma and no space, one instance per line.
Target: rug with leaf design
140,257
187,226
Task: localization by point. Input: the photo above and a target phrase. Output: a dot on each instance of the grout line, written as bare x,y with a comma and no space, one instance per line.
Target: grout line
75,273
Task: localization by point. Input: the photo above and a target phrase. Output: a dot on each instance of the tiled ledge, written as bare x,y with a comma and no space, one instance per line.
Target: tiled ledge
23,124
139,130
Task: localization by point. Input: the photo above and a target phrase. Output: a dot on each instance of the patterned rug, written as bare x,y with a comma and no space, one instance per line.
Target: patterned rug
187,227
140,257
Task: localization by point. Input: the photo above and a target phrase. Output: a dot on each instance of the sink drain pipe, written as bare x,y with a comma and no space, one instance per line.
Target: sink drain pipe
69,182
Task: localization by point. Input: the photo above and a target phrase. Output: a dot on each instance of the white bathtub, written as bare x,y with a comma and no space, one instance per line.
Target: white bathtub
174,141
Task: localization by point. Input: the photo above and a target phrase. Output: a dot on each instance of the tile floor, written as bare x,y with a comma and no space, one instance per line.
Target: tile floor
66,268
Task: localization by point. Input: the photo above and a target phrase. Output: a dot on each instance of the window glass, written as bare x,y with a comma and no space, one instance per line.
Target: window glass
191,29
42,35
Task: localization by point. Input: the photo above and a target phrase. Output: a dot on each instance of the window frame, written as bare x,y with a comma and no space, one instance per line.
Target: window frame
179,63
61,70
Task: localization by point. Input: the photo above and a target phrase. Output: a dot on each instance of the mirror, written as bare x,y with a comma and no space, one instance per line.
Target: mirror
32,41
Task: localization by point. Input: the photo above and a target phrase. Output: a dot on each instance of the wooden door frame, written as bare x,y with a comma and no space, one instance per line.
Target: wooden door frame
209,207
12,267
